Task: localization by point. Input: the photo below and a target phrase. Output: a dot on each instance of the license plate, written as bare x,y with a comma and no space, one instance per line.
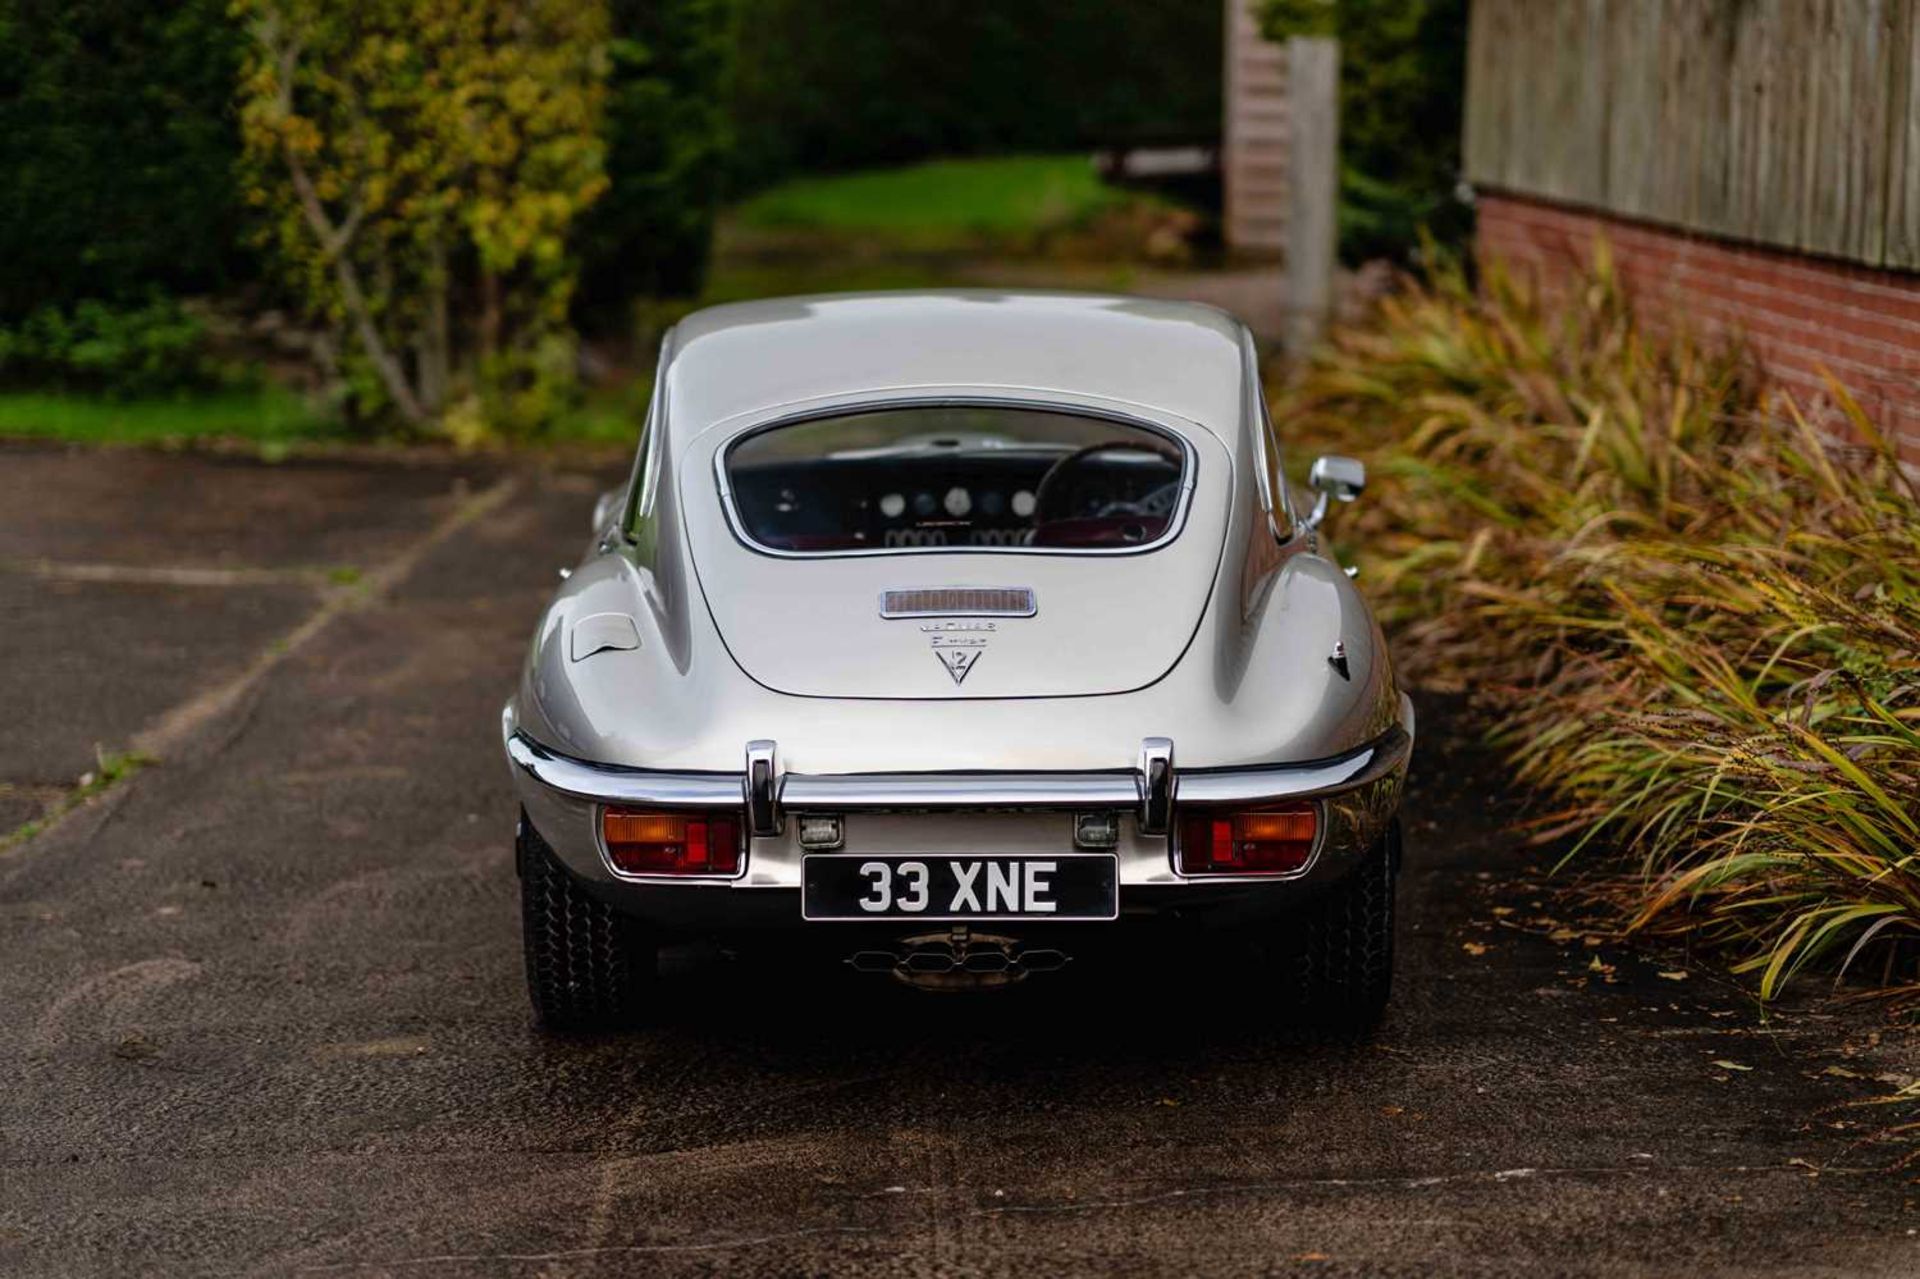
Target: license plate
950,886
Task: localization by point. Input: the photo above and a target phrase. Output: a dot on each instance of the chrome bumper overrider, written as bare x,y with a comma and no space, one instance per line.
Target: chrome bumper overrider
562,795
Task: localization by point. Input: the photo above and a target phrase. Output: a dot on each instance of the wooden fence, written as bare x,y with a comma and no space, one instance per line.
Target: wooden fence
1792,123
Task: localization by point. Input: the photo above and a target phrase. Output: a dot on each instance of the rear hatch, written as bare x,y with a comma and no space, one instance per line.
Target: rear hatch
960,624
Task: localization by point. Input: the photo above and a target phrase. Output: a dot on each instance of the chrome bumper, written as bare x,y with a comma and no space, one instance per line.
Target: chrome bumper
1359,792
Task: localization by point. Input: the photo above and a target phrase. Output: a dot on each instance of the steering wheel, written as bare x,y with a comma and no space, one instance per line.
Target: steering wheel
1050,483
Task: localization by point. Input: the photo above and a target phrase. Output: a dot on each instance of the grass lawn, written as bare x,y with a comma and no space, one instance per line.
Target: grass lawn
939,204
271,416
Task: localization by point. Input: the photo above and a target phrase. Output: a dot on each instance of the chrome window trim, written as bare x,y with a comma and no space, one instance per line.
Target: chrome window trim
643,485
1176,521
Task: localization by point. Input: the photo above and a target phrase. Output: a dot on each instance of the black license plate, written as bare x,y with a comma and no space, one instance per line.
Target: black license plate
950,886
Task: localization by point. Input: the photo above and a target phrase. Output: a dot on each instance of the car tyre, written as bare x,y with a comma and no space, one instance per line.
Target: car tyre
588,966
1343,956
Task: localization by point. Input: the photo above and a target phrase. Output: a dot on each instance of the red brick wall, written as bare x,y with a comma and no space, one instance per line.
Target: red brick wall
1801,315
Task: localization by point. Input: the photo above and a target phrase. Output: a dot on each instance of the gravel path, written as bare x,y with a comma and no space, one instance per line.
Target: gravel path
265,1013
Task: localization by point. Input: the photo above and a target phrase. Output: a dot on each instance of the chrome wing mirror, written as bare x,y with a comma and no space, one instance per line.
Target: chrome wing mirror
605,509
1335,479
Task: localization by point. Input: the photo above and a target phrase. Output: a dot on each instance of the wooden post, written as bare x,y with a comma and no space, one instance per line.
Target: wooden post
1313,187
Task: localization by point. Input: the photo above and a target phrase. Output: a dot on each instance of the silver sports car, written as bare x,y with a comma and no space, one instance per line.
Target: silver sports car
960,636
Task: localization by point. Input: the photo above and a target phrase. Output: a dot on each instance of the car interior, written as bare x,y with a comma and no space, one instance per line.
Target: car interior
955,476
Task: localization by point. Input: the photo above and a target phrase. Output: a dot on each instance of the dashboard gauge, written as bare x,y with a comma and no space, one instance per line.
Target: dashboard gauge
893,506
924,504
957,502
991,503
1023,504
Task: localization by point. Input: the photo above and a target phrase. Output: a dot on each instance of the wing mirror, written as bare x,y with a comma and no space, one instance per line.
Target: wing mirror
1335,479
607,507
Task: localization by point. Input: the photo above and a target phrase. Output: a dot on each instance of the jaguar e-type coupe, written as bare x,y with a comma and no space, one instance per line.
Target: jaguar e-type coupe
957,637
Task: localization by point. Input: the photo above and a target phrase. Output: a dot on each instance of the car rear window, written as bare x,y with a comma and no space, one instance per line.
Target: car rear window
956,476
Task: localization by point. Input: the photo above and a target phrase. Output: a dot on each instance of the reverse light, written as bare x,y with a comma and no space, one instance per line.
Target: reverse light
648,842
1268,841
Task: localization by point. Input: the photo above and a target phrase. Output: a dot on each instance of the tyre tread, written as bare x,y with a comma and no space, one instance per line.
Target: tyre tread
1344,959
587,966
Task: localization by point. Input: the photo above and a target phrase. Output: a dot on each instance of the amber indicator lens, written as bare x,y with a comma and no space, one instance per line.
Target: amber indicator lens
646,842
1268,841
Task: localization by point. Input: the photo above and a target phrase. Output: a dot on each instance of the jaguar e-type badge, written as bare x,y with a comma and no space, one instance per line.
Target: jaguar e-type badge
958,645
958,661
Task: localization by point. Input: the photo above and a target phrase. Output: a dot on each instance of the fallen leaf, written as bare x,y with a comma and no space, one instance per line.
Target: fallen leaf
1724,1064
1673,976
1562,935
1473,948
1313,1256
1503,910
1841,1072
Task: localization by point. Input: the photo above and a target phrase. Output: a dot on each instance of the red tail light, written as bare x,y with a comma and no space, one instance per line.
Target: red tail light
1268,841
647,842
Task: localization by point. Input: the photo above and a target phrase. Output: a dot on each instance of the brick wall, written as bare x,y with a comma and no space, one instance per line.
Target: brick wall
1801,315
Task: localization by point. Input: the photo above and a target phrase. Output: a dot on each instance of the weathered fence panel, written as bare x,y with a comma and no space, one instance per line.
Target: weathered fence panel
1793,123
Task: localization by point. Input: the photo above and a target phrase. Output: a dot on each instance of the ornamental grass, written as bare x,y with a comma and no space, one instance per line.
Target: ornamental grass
1690,619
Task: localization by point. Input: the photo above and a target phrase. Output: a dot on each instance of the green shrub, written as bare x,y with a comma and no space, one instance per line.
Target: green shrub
118,142
1693,621
139,349
666,134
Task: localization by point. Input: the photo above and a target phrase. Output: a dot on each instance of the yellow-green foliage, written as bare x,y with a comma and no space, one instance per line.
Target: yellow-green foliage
1694,620
420,164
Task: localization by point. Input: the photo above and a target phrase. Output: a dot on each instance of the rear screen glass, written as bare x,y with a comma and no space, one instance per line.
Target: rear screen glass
956,476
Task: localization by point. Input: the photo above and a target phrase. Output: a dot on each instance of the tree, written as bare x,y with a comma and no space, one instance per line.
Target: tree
421,164
667,137
118,143
841,84
1402,84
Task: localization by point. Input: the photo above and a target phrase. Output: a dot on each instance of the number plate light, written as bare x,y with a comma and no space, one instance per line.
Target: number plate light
821,831
1096,830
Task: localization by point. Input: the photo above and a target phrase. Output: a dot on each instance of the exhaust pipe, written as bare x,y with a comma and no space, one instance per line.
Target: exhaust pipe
959,960
1044,961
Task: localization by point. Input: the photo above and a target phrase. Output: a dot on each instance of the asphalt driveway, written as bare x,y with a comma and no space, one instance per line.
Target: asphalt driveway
263,1010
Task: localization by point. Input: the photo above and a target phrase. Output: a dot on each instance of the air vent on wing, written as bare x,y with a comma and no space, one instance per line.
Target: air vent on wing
960,601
